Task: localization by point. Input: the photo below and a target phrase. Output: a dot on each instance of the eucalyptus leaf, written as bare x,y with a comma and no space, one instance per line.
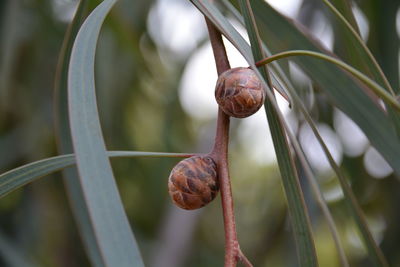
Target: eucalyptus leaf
350,199
16,178
350,46
107,215
343,91
298,211
64,142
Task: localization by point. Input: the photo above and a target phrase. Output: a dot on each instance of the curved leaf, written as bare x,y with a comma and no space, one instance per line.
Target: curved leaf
350,46
110,224
300,220
346,93
376,88
350,199
64,142
343,90
16,178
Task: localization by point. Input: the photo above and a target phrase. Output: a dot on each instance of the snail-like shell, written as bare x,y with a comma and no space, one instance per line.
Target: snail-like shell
193,182
239,92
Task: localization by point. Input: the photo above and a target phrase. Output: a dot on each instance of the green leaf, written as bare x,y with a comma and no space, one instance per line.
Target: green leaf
382,33
344,7
16,178
64,142
350,199
350,46
111,226
226,28
344,92
376,88
298,211
223,25
374,251
338,90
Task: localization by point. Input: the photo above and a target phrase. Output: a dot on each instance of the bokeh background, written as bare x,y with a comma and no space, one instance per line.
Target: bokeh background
155,80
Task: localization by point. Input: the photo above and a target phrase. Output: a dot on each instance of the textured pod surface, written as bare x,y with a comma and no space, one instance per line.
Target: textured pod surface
193,182
239,92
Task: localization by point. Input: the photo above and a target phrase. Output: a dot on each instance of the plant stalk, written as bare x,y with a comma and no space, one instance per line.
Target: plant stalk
220,155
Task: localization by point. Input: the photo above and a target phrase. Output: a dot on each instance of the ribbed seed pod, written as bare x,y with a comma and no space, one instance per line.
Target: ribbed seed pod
193,182
239,92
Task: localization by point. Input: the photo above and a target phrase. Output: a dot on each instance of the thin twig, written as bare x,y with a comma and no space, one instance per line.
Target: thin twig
244,259
220,155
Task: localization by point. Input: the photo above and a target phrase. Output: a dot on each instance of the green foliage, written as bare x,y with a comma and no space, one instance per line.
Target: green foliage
116,202
290,180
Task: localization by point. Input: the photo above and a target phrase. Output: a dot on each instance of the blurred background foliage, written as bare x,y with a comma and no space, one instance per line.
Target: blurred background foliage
155,82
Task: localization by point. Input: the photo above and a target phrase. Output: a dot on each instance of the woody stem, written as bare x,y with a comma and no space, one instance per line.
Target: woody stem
220,155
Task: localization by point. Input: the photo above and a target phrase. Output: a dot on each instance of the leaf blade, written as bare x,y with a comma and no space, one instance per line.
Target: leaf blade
64,143
18,177
299,214
351,47
350,199
113,233
343,91
374,251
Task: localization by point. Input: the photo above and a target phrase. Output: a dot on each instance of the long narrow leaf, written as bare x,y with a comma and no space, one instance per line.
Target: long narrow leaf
376,88
64,142
356,211
374,251
111,226
344,7
296,204
16,178
226,28
351,47
343,91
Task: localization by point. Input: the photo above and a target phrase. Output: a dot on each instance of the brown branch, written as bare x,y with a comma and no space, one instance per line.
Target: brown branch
220,155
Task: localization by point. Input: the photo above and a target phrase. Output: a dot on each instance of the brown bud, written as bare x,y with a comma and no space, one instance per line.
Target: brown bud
193,182
239,92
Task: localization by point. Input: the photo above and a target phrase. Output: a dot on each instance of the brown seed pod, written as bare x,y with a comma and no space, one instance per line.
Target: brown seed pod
193,182
239,92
